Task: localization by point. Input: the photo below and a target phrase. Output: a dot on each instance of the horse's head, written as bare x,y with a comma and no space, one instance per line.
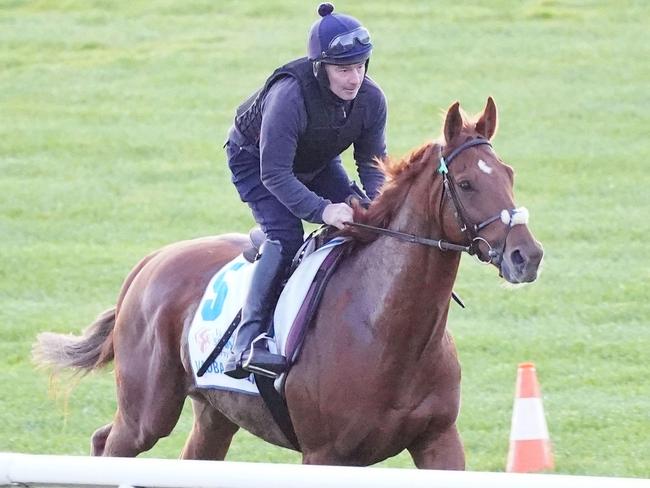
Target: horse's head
478,204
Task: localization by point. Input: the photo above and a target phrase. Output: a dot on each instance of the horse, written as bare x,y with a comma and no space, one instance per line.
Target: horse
378,372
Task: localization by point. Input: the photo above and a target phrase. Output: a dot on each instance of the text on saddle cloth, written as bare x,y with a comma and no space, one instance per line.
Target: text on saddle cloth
222,301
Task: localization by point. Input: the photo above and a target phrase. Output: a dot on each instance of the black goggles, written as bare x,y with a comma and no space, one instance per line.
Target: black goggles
342,43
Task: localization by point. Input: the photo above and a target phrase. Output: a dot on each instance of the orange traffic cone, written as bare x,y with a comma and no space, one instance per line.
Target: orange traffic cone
530,446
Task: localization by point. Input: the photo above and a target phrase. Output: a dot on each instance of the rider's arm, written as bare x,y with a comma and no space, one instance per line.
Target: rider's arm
372,143
284,118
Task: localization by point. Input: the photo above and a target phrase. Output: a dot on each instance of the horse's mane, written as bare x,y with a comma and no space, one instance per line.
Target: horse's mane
400,174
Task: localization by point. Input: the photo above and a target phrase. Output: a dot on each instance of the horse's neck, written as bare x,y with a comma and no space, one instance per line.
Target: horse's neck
410,283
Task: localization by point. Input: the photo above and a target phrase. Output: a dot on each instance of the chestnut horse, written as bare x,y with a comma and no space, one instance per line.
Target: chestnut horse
378,372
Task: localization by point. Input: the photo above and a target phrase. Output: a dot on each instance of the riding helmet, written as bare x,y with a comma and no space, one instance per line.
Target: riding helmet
337,38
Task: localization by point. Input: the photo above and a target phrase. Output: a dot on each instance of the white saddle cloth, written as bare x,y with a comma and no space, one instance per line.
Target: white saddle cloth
222,300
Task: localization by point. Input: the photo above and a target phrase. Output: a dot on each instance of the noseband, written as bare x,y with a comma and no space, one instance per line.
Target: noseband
509,217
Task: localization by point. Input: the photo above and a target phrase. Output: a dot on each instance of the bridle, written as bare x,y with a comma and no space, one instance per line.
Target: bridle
509,217
469,229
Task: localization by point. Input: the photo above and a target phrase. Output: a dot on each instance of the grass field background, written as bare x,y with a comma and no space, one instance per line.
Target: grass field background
112,118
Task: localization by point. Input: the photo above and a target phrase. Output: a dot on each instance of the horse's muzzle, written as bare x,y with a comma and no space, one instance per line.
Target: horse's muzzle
520,263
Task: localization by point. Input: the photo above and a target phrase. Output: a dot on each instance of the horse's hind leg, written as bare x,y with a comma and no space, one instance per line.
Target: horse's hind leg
211,434
150,397
141,421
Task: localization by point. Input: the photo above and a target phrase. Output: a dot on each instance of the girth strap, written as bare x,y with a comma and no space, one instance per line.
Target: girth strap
278,408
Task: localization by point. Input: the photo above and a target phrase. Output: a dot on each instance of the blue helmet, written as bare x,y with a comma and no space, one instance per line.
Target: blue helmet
338,38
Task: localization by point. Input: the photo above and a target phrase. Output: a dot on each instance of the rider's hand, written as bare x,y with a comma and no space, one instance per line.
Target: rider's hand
337,214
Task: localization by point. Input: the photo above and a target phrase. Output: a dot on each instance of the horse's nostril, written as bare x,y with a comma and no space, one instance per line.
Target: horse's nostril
517,258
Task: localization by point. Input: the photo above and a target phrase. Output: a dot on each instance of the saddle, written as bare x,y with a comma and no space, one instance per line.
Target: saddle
314,241
256,238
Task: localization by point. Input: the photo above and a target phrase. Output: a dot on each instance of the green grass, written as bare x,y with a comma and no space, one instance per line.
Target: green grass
112,117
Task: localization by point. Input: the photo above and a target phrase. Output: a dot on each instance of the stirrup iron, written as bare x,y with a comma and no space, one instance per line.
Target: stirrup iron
256,368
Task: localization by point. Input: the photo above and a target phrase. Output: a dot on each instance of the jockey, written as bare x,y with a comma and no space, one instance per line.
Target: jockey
284,154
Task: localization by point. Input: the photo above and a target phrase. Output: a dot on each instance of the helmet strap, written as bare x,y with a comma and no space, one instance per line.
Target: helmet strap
321,75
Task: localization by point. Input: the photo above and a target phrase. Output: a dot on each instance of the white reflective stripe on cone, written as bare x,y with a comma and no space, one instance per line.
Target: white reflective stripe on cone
528,422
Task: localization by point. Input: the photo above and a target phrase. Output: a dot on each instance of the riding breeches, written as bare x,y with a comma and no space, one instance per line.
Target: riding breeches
277,222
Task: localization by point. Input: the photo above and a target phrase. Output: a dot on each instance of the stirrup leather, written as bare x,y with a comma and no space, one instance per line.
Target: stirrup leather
274,365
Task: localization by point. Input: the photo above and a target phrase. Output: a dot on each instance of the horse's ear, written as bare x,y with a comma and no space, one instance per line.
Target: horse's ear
488,122
453,122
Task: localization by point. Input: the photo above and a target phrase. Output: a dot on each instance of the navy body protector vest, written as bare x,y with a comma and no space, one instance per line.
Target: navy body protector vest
323,140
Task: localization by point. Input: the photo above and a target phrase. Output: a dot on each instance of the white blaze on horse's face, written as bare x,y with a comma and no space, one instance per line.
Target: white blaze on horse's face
483,166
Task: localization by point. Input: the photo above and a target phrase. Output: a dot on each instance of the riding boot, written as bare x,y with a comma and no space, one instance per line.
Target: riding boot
249,352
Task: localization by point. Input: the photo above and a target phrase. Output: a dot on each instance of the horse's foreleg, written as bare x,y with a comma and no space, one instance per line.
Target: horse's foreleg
211,434
439,450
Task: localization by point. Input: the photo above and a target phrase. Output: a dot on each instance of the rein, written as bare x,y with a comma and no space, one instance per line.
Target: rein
403,236
509,217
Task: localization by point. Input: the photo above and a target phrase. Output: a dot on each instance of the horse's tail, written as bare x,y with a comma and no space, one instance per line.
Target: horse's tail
92,350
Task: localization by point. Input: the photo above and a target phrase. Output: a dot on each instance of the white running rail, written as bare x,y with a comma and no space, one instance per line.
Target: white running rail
43,470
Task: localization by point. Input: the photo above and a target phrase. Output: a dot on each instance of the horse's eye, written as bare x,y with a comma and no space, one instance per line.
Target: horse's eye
465,185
